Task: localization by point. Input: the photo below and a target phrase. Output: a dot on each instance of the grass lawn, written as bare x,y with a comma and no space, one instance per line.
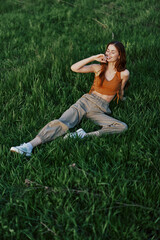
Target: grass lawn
105,188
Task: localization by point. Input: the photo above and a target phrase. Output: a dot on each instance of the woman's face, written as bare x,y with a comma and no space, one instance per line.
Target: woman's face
112,53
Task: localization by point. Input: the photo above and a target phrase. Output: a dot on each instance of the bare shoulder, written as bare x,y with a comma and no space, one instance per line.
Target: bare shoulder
125,74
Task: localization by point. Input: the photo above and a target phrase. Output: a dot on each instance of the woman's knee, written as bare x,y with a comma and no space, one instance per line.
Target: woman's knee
120,126
57,123
52,130
124,127
116,127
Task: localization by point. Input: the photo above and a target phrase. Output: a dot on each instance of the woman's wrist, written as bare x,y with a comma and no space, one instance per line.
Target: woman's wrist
91,59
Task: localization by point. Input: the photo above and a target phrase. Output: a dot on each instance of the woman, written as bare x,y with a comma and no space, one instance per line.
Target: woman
111,77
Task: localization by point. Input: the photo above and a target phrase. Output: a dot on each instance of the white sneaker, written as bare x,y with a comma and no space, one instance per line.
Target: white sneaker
79,133
22,149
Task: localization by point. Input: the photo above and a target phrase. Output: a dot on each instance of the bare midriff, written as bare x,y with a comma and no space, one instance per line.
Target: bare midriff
108,98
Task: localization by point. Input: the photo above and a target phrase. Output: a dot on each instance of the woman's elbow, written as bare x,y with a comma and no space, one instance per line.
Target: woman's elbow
74,69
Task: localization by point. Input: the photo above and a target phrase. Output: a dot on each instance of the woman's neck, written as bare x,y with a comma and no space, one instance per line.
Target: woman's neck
111,67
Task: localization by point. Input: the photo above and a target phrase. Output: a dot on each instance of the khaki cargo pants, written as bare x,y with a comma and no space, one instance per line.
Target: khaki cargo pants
90,106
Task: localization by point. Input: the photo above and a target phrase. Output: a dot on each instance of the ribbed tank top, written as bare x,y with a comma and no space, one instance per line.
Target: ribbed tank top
106,87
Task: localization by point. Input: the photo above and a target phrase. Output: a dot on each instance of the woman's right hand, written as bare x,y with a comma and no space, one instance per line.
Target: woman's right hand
100,58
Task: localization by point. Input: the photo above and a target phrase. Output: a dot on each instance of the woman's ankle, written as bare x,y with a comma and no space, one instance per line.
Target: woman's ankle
36,141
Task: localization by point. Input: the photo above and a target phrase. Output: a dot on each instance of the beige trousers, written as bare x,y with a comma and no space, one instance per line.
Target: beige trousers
89,105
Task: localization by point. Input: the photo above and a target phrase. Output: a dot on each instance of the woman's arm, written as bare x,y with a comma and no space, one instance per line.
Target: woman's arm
124,77
81,66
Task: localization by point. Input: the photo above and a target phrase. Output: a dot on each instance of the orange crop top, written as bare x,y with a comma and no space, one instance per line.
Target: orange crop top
106,87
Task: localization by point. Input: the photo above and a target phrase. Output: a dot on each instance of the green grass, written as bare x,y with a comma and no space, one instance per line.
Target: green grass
112,192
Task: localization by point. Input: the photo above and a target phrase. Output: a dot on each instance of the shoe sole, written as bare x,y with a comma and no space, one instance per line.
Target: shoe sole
21,153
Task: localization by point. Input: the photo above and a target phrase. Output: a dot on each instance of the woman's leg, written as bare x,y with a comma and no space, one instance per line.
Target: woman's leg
35,142
109,125
55,128
48,133
69,119
51,131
